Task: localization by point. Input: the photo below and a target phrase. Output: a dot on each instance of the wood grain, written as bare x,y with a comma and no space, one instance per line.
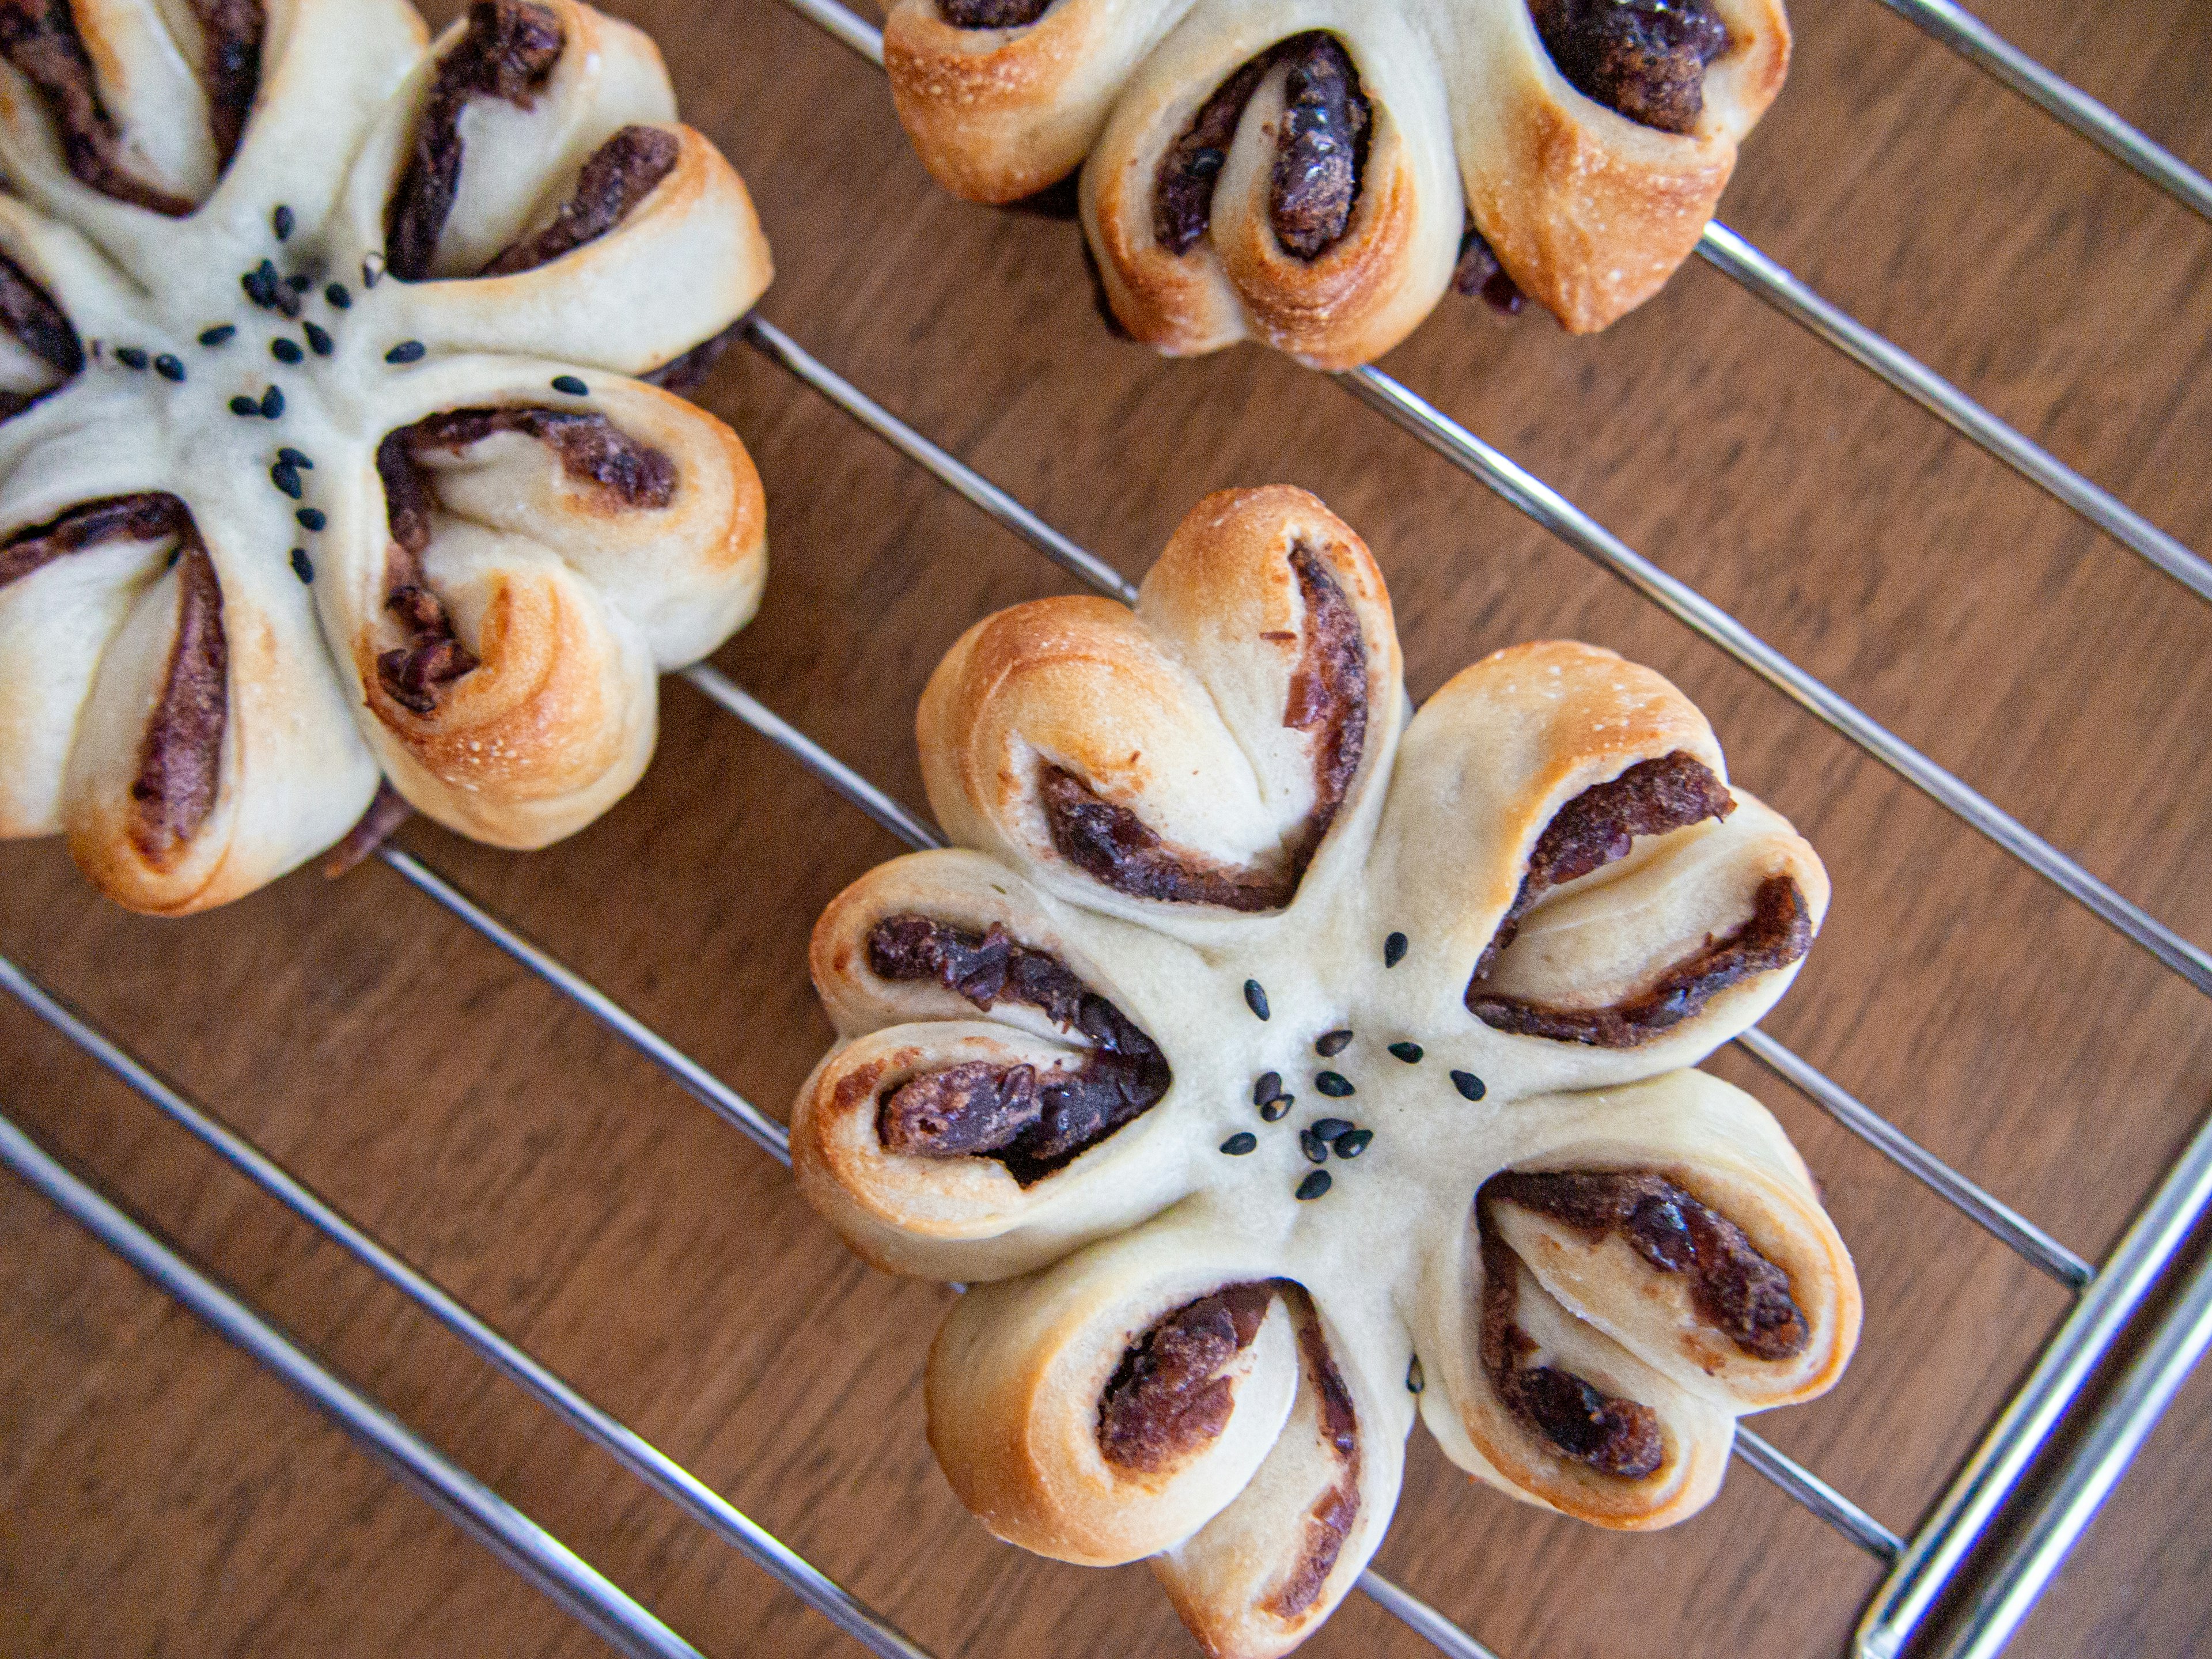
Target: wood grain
158,1495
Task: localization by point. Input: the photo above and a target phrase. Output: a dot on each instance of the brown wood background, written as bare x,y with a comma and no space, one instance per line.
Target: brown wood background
159,1495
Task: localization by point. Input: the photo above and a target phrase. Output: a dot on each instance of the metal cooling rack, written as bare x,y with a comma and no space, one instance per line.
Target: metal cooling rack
2044,1523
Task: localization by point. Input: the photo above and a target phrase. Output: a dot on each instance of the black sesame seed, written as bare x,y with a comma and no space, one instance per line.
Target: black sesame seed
1315,1148
1239,1144
310,517
131,357
170,367
288,453
318,339
1313,1186
285,351
337,295
1275,1110
1269,1085
1415,1382
1468,1085
1353,1144
1333,1043
303,566
1328,1128
1334,1085
569,386
170,563
243,407
407,351
299,281
220,334
272,404
1256,998
281,222
286,477
1408,1052
1394,949
370,269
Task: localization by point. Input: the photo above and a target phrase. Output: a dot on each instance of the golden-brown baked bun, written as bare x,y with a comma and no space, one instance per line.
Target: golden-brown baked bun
324,459
1312,173
1278,1066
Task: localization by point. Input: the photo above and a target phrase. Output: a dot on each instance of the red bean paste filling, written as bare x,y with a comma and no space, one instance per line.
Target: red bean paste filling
179,762
1593,829
992,13
1329,1523
1321,151
40,39
1614,1436
684,373
1327,698
1735,1289
508,52
1032,1123
591,451
39,325
230,67
1167,1398
1644,59
1478,271
618,175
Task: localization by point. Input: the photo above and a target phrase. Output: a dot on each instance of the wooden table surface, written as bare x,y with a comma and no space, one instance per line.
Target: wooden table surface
160,1494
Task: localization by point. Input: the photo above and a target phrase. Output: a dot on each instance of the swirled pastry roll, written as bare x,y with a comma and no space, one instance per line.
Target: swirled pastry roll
1277,1066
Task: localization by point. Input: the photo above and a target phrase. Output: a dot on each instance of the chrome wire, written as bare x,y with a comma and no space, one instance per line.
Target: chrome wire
1818,1496
1797,301
543,1562
1990,53
636,1453
1524,490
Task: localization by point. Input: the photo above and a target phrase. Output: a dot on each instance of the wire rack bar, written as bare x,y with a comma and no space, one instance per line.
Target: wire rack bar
1586,534
1994,1215
1818,1496
1422,1619
704,1085
1797,301
2054,1519
2007,1224
1933,1559
636,1453
543,1560
1990,53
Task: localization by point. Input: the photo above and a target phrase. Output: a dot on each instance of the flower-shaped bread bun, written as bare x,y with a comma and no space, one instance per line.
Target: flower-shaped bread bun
329,448
1276,1066
1316,173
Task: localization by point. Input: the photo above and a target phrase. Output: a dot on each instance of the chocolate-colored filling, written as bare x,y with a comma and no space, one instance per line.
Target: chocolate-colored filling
1329,1523
592,451
1614,1436
992,13
1321,151
1779,932
1735,1289
144,518
40,39
1327,698
230,67
388,811
1643,58
1593,829
1166,1398
39,326
508,52
1032,1123
618,175
684,373
1478,272
179,764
